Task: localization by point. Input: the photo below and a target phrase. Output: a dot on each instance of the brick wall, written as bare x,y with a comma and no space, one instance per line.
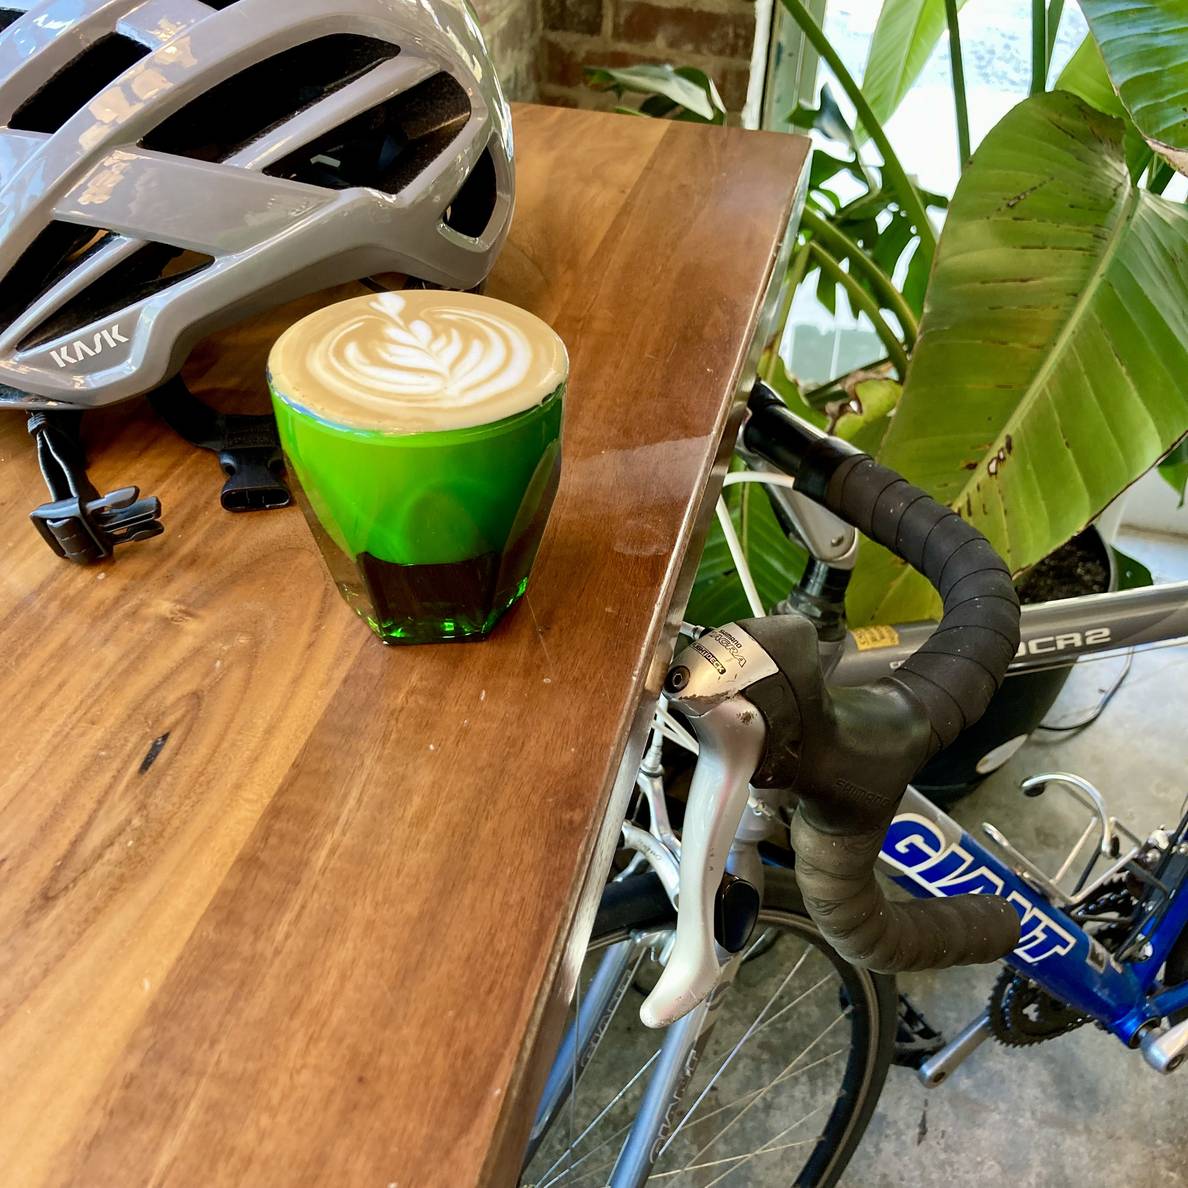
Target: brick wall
512,29
713,34
541,47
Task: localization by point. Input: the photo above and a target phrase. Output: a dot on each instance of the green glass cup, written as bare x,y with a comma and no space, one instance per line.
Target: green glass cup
429,535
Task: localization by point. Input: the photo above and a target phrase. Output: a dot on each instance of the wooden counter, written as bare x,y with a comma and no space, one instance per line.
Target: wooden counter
279,905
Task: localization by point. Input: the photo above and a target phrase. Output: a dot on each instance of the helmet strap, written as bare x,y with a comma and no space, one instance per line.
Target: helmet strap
247,446
78,523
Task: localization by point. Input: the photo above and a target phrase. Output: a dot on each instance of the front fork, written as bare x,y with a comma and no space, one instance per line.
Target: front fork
659,1113
595,1009
724,822
657,1120
672,1067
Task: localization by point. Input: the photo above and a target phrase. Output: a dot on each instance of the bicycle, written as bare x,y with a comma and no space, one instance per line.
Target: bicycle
800,786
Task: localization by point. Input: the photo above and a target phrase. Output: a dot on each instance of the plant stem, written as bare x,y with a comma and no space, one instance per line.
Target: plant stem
1055,12
841,243
792,278
861,300
1159,173
1039,47
958,81
909,199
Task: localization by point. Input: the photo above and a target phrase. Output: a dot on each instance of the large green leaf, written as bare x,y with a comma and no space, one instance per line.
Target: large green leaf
904,38
1086,76
1174,469
1143,44
867,417
1131,574
1051,369
683,89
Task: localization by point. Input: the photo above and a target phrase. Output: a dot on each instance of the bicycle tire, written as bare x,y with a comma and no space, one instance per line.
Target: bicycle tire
639,904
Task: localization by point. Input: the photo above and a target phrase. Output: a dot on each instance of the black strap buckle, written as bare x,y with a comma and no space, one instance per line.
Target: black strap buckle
86,531
247,446
78,523
255,478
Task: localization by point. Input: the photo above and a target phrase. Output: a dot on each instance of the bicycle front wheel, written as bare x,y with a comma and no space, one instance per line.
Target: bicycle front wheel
786,1077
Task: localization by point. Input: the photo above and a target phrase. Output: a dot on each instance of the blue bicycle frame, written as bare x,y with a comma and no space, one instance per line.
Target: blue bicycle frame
929,854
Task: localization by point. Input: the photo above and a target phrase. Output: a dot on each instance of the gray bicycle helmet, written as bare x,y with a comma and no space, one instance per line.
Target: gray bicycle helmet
168,167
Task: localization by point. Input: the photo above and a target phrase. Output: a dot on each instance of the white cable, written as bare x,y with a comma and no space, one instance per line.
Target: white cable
665,721
759,476
740,561
670,728
768,479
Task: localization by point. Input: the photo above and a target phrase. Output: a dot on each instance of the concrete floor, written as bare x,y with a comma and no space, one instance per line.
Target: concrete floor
1079,1111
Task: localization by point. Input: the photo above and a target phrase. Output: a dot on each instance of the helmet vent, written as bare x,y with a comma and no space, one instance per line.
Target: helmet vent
472,208
265,95
58,249
63,247
219,4
8,15
386,147
74,85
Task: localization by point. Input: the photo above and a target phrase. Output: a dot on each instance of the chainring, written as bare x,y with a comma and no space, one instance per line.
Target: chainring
1022,1014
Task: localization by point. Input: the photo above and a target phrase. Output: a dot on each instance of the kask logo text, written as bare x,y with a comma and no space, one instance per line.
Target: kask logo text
75,352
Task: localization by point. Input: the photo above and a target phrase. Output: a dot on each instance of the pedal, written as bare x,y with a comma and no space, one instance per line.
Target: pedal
915,1039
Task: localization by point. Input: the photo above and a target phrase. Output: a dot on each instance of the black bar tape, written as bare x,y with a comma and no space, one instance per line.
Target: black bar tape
837,881
848,768
960,668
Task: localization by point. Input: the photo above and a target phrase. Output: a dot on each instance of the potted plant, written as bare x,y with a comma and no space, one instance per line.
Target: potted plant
1048,368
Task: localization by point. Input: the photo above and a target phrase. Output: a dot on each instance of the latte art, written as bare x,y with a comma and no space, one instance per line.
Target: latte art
417,361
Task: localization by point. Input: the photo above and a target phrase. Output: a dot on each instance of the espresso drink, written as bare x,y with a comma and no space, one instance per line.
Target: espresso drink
423,431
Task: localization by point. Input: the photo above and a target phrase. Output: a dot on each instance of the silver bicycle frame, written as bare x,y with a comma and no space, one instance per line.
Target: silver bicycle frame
1051,633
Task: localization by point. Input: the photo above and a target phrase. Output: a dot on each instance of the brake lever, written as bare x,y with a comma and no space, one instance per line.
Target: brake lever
707,684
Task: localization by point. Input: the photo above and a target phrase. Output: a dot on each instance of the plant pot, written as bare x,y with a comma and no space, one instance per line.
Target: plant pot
1083,566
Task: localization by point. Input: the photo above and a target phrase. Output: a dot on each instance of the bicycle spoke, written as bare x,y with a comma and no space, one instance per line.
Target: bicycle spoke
601,1114
742,1097
795,1002
753,1030
767,1148
755,944
680,1171
591,1171
734,1051
767,1079
759,1024
785,1076
767,1088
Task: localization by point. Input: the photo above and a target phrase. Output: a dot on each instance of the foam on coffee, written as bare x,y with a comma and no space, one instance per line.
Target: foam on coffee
417,361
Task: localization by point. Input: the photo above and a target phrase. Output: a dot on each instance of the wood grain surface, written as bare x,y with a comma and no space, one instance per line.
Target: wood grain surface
279,905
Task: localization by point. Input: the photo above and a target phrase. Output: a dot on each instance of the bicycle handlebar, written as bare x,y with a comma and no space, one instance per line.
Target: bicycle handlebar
850,753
